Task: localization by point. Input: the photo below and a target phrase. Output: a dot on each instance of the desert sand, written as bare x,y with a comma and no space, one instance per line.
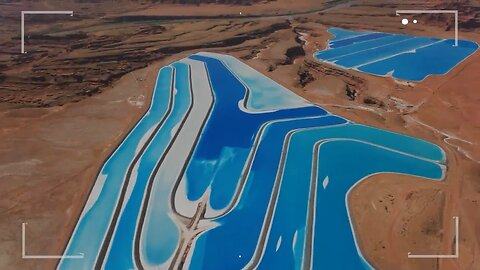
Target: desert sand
67,104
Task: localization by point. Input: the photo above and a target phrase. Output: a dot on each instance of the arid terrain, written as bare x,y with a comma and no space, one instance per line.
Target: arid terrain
67,103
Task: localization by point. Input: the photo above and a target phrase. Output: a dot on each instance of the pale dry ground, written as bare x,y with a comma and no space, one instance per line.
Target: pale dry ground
50,156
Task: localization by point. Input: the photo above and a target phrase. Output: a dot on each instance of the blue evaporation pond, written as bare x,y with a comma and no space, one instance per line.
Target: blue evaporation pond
356,39
436,59
403,57
339,33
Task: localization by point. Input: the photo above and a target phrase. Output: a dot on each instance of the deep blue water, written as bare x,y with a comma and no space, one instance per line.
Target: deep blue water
339,33
242,226
357,39
375,54
405,57
331,55
436,59
228,137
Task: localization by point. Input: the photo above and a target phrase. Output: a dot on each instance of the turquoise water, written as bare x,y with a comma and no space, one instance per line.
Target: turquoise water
223,148
160,233
264,93
259,155
242,225
90,231
329,250
291,211
122,243
403,57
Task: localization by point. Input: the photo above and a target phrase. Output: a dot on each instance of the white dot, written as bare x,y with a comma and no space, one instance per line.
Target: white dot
239,256
415,21
404,21
240,13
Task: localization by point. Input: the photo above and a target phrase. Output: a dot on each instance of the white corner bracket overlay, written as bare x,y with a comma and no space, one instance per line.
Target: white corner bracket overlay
43,12
453,256
398,12
25,256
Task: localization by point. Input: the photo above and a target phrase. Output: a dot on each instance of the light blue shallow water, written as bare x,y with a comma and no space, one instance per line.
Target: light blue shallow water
331,249
264,93
291,211
404,57
242,226
122,244
93,224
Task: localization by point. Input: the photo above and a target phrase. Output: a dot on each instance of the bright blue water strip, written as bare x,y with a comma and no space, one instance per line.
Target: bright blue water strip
160,233
291,211
436,59
331,249
228,137
121,247
383,52
236,238
93,224
265,94
412,59
357,39
343,34
332,54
